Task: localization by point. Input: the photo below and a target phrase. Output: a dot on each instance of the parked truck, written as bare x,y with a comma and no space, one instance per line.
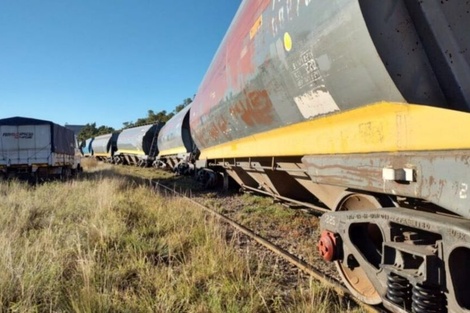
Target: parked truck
37,149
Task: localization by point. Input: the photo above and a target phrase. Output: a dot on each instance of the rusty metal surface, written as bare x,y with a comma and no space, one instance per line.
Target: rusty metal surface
286,177
175,133
283,62
438,177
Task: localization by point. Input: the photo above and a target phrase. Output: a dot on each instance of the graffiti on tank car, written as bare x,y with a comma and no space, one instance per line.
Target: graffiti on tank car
22,135
283,11
254,109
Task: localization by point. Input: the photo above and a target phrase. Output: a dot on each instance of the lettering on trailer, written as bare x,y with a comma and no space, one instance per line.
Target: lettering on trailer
22,135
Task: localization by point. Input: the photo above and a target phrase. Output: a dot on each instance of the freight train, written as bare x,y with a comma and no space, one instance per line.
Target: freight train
358,108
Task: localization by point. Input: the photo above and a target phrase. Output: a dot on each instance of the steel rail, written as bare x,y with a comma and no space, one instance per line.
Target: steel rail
305,267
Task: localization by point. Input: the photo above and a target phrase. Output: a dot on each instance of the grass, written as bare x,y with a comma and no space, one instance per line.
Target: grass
104,244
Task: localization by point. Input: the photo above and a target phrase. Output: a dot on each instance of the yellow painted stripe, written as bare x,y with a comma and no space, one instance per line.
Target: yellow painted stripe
133,152
101,154
172,151
380,127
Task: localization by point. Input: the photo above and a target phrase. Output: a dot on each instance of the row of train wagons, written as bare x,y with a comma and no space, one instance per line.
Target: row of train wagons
132,146
357,108
162,146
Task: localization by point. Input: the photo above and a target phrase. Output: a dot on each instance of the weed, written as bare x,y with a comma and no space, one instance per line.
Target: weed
103,244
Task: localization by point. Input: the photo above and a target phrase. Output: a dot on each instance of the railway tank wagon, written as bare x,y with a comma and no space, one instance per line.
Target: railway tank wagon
104,147
86,147
177,149
359,109
138,145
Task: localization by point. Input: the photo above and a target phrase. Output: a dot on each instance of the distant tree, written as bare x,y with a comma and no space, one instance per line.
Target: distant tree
187,101
160,117
169,116
127,125
181,106
152,118
90,130
140,122
102,130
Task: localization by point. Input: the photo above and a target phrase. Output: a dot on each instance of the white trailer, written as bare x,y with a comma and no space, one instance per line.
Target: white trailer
36,149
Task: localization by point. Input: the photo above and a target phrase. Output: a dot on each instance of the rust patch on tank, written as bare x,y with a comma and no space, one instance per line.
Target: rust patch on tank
218,129
254,109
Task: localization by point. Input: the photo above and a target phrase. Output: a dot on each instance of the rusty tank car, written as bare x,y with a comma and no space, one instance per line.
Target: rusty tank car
360,109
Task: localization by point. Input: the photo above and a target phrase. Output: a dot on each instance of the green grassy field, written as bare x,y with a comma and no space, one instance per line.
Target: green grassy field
104,244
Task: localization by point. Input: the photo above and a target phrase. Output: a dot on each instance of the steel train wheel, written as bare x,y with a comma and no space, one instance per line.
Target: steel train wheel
355,278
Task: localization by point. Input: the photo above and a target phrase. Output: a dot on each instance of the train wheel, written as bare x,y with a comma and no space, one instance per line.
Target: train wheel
355,277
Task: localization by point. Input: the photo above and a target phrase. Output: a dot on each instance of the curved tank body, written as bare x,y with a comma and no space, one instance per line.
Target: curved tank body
104,146
361,108
175,137
138,145
86,147
284,67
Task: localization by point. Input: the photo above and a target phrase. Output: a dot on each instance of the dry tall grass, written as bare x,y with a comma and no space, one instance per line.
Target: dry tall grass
103,245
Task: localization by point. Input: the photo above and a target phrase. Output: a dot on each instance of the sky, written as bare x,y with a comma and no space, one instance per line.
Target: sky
105,61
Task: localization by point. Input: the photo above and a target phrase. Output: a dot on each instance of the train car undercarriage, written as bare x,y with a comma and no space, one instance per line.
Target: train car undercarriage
396,224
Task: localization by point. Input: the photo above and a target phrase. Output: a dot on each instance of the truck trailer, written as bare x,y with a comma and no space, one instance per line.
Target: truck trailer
36,149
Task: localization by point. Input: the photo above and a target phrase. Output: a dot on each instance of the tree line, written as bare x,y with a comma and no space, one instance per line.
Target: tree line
91,130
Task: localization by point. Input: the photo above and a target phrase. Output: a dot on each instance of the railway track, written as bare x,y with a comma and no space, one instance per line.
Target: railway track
302,265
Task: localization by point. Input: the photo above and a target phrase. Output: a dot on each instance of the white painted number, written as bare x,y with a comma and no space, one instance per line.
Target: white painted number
330,220
463,191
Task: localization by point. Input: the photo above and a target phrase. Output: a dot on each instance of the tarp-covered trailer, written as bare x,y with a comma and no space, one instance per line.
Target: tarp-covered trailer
32,148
